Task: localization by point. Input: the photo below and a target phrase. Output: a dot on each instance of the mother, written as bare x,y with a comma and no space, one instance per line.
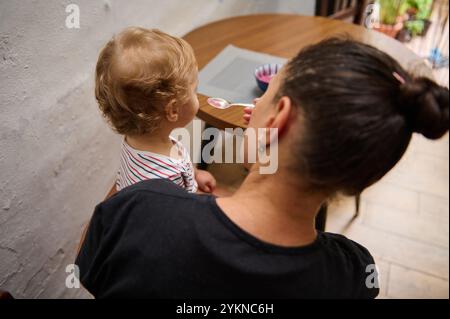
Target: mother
345,113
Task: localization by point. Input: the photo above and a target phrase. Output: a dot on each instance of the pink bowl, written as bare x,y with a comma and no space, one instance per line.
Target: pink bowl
265,73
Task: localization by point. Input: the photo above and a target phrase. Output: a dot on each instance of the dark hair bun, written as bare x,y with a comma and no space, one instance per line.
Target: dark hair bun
425,104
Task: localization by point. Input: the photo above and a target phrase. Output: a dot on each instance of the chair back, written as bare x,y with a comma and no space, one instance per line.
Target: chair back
348,10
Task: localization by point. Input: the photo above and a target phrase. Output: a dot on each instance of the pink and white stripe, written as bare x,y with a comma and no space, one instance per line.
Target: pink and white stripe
136,166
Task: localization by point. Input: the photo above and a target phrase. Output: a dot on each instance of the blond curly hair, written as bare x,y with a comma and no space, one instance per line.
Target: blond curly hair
138,72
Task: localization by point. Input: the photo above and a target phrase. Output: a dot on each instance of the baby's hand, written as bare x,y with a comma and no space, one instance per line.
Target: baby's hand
206,182
247,114
248,111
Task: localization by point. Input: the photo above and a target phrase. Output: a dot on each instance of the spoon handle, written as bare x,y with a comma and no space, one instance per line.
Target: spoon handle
243,104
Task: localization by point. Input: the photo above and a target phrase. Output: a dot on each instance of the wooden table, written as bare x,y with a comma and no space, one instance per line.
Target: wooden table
280,35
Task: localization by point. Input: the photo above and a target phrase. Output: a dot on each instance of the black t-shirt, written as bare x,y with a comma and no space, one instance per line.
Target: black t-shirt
155,240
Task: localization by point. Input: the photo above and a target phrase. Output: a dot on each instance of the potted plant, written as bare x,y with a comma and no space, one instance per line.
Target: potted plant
418,12
391,18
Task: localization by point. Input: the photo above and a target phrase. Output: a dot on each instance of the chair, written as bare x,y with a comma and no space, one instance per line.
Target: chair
5,295
348,10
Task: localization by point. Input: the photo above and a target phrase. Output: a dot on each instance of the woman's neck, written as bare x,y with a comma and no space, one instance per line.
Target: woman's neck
273,209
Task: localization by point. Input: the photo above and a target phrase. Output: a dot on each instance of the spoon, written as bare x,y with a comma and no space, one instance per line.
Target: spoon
220,103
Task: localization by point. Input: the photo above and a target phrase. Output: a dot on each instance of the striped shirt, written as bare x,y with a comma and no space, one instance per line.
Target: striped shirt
136,166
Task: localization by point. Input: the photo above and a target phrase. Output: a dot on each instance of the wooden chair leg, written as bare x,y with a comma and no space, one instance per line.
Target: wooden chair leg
203,165
359,13
321,217
357,205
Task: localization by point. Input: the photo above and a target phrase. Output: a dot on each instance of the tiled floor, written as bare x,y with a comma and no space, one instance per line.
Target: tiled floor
404,220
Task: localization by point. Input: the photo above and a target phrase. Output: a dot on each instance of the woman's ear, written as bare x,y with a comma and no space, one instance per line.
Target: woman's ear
278,122
282,113
172,111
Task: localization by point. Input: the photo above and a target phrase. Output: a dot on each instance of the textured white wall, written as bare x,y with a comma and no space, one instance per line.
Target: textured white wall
57,156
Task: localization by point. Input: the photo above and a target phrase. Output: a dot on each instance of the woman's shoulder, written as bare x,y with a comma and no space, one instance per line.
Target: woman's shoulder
153,196
338,244
149,191
354,260
329,238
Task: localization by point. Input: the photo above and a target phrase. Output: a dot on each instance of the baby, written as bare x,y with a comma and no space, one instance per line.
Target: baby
146,84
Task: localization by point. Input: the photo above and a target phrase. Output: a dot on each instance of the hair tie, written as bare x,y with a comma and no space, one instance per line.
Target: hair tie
399,77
